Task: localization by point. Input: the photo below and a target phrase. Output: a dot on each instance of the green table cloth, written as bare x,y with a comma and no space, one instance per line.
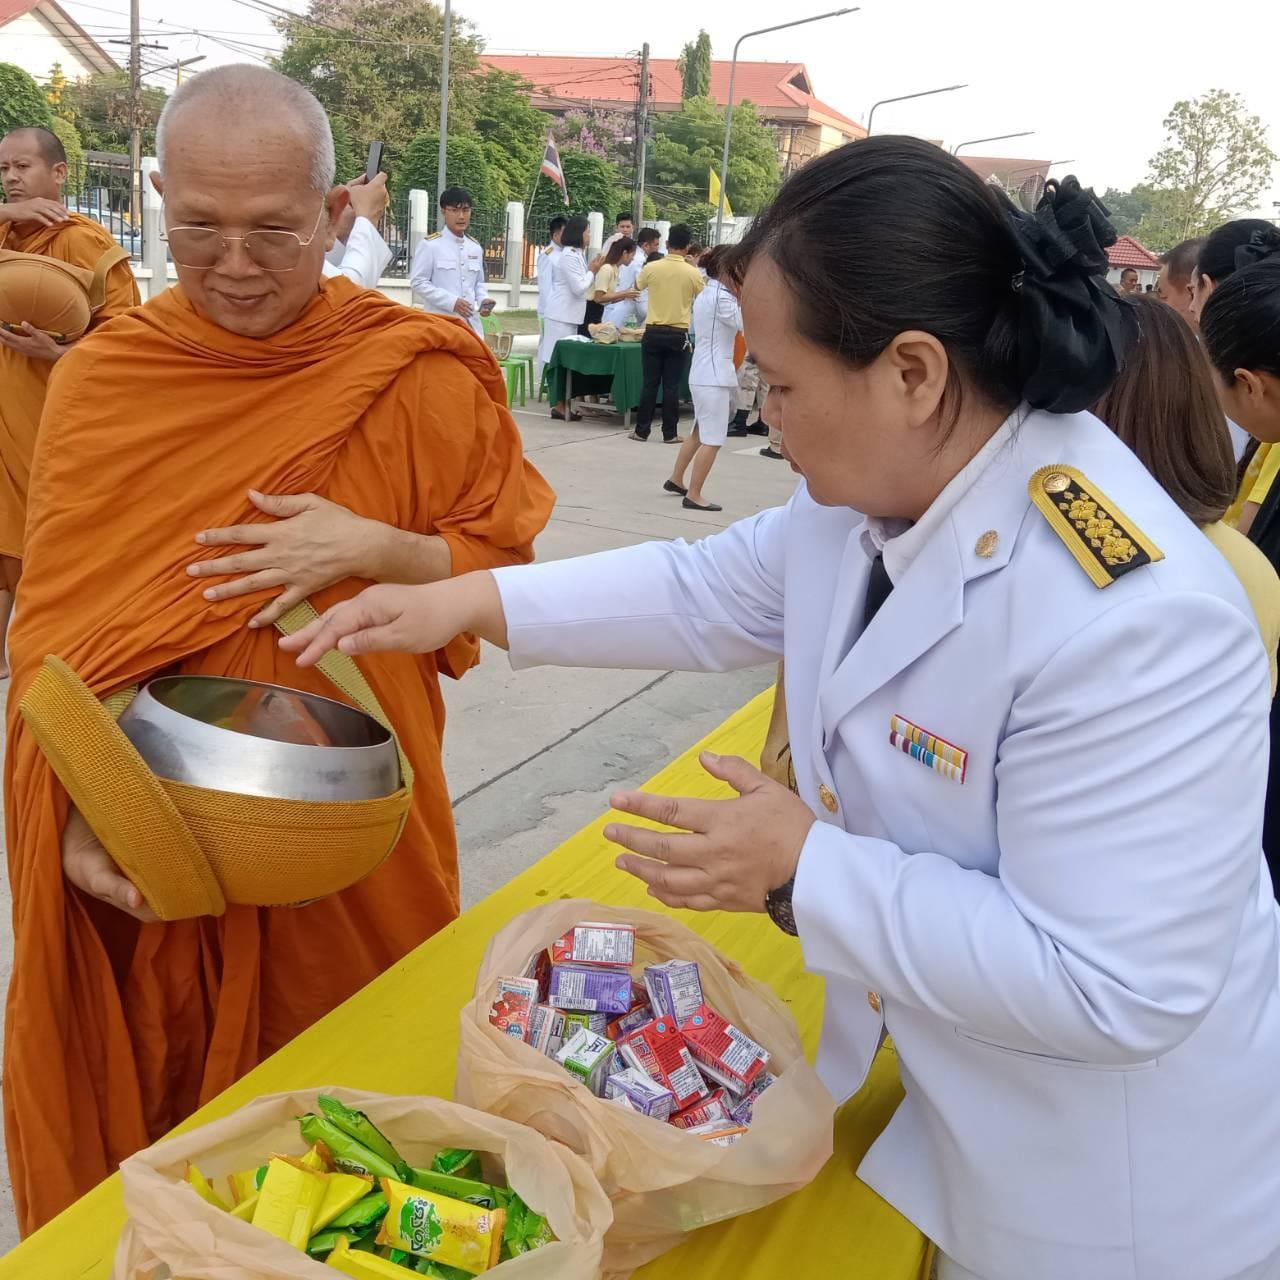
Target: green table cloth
599,368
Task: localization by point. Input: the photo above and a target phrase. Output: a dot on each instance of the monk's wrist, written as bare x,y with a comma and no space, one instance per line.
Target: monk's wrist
400,556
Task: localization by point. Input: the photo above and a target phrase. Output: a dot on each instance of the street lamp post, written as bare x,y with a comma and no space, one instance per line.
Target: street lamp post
925,93
728,110
999,137
441,160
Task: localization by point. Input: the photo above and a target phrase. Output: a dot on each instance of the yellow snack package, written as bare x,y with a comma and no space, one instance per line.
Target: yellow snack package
202,1188
289,1200
448,1231
364,1266
317,1158
245,1209
344,1190
246,1183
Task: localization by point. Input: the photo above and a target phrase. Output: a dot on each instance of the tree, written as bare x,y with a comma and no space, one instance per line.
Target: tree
1214,164
512,132
465,166
99,109
71,144
688,147
22,104
57,83
347,161
593,186
694,65
375,65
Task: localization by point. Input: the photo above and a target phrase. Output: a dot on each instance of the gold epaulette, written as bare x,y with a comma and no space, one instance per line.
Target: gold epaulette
1104,541
435,235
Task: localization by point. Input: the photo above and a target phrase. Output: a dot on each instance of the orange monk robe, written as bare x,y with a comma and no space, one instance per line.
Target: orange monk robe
23,381
155,430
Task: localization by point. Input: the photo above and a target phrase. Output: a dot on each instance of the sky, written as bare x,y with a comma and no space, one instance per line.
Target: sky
1093,79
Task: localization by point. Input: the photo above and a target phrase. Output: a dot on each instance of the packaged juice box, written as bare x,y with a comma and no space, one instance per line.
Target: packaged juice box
712,1109
612,945
629,1021
539,970
586,1056
647,1096
725,1054
659,1051
742,1109
546,1029
574,1018
513,1005
675,988
588,989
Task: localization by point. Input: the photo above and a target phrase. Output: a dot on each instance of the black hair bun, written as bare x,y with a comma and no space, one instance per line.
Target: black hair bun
1262,243
1073,331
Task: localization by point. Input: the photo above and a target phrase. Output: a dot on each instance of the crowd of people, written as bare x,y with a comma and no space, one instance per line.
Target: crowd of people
1025,591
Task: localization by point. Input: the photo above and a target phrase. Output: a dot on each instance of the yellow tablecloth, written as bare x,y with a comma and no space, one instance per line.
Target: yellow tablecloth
400,1035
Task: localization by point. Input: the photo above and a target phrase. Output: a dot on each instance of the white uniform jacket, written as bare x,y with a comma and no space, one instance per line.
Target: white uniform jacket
448,267
542,261
1069,931
364,257
570,285
716,322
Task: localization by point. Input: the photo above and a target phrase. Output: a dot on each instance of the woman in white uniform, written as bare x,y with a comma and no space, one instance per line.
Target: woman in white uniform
569,284
1028,714
716,322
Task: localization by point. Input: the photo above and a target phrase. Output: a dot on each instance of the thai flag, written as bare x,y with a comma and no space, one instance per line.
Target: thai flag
551,167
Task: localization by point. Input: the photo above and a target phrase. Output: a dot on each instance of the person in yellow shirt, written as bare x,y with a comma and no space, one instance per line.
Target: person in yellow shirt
673,282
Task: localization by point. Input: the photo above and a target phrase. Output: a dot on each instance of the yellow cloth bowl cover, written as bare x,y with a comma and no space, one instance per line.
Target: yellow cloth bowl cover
56,297
191,850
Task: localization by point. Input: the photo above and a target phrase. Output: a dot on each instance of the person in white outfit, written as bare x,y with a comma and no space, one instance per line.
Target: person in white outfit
359,252
1027,705
542,276
647,243
713,381
448,266
570,283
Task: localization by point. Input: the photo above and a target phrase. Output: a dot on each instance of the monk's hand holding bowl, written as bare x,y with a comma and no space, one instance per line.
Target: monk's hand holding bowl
725,855
31,342
312,544
93,871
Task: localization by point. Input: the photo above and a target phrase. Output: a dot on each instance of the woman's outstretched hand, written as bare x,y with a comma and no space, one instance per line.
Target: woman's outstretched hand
404,619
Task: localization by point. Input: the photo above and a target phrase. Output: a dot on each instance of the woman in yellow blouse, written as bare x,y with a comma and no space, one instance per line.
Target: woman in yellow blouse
1164,407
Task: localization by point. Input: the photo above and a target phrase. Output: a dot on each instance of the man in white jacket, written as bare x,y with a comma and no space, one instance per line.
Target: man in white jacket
448,267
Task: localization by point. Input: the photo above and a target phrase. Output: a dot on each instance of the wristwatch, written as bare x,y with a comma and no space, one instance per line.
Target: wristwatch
777,902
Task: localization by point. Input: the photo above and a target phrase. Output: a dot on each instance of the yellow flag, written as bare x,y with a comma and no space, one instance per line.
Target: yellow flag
713,193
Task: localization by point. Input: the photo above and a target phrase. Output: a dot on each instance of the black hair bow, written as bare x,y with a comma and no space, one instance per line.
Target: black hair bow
1262,243
1073,330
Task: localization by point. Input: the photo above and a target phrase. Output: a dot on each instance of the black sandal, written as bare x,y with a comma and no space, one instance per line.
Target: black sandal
690,505
670,486
559,417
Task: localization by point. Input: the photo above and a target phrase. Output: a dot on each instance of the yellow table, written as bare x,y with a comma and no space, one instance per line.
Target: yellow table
400,1035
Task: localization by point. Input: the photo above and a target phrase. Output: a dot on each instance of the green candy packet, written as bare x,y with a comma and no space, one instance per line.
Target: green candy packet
438,1271
362,1215
349,1155
458,1162
322,1244
358,1126
468,1189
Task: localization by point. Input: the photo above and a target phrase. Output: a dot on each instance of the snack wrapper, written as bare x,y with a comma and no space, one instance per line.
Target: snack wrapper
586,1056
358,1126
348,1155
743,1109
365,1266
438,1227
342,1192
457,1161
611,945
659,1051
675,989
513,1004
289,1200
171,1231
480,1194
593,990
727,1055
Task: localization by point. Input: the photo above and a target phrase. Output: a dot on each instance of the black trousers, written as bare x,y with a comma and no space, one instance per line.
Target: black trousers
1265,534
665,363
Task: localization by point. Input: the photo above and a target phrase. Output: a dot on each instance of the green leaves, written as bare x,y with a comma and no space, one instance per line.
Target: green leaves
22,104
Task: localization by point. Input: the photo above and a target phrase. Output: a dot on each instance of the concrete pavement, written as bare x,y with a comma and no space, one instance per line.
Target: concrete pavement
532,756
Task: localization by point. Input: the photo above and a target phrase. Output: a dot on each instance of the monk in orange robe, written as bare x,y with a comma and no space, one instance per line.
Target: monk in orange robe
33,171
380,435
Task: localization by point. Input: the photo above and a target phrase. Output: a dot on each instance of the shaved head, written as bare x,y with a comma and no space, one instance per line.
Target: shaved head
247,102
45,141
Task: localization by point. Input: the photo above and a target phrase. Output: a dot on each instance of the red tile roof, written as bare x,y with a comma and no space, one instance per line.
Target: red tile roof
10,9
1127,252
771,86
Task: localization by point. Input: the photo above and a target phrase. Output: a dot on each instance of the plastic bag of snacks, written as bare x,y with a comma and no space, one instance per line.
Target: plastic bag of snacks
630,1039
334,1182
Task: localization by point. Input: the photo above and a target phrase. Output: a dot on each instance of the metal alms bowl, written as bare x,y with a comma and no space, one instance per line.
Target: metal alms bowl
258,739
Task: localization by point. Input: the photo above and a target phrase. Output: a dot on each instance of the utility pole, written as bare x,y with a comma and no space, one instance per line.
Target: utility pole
135,111
642,135
444,113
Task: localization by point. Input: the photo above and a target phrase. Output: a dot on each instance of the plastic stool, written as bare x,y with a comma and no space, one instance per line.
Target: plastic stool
517,380
526,358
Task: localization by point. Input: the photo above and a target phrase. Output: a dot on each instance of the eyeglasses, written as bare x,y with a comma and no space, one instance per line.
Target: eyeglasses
202,248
